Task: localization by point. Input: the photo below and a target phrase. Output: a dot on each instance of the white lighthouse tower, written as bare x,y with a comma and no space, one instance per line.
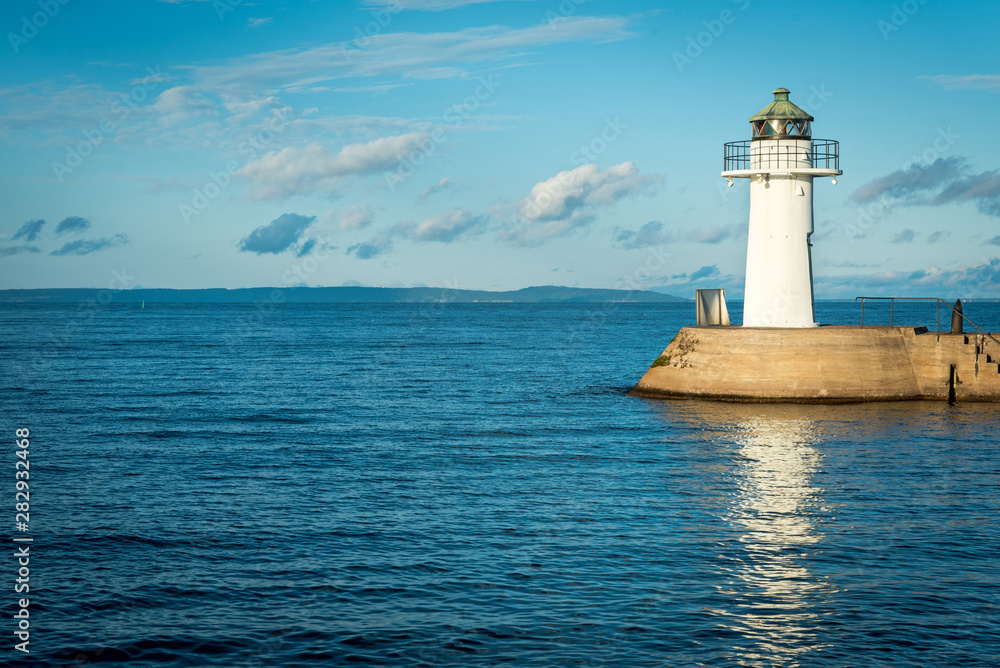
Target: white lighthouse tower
781,161
780,354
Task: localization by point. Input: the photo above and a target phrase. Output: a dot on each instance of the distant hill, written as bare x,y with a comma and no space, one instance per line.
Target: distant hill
533,295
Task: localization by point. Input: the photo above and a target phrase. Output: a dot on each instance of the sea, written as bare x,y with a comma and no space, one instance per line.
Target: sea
470,485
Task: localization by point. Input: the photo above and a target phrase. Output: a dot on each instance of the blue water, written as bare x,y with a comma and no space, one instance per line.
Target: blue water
440,485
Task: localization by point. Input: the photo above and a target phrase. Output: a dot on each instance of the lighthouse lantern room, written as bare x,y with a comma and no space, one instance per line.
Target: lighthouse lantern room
781,161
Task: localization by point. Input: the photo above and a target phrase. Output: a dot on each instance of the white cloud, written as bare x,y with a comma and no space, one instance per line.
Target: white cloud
374,89
188,111
714,235
356,217
277,236
293,171
903,237
703,277
562,196
972,281
242,108
256,23
944,181
435,73
399,53
652,233
655,233
973,81
53,110
441,186
452,225
88,246
569,200
153,78
367,250
182,103
30,230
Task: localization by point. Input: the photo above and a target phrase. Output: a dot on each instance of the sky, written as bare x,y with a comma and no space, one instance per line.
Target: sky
487,144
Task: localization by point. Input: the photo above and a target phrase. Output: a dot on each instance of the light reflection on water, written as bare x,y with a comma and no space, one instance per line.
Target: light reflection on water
776,499
829,513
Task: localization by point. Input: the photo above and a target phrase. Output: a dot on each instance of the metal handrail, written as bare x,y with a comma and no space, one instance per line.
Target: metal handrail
821,154
892,309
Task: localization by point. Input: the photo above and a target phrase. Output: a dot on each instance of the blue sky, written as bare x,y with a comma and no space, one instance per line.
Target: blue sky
486,144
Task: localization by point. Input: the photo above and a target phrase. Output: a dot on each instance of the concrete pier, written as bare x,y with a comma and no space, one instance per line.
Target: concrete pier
829,364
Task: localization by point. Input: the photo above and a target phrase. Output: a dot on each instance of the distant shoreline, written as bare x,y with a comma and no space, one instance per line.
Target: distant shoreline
344,294
548,294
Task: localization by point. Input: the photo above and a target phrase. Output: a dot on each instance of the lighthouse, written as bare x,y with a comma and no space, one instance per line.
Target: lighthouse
781,160
779,354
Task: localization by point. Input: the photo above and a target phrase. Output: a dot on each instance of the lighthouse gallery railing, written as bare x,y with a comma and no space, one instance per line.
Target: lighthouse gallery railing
780,154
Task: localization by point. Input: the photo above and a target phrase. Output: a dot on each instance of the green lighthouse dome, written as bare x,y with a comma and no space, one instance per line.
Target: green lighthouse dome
781,119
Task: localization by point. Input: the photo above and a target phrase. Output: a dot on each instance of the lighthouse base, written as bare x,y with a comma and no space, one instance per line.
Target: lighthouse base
829,364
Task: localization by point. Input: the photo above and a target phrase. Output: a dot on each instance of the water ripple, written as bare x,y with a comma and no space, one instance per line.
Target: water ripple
401,485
